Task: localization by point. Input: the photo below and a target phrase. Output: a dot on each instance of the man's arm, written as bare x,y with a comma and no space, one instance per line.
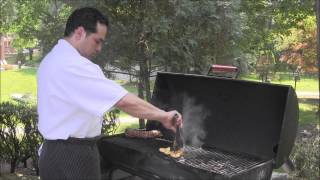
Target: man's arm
137,107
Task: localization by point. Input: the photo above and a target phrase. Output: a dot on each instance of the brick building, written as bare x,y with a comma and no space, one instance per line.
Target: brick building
5,48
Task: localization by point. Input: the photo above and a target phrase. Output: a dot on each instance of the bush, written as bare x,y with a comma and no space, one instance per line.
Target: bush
20,138
110,122
306,156
32,139
11,136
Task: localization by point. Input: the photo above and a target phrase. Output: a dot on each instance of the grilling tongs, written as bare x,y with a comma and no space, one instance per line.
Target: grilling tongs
178,141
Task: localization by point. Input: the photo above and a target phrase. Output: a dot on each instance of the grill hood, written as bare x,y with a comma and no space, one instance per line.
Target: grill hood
253,118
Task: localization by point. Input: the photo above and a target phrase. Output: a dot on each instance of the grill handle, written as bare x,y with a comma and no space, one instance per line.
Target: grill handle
178,141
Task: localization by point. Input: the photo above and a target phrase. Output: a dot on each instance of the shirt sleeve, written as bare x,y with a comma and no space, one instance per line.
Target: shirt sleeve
86,86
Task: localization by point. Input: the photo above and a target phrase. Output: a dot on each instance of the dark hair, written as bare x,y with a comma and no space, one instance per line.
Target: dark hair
87,18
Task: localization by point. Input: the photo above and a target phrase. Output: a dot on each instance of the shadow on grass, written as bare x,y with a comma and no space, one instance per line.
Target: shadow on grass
124,126
18,176
131,87
308,111
28,71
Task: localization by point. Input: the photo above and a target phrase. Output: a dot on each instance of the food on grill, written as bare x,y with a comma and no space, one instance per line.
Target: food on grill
175,154
165,151
141,133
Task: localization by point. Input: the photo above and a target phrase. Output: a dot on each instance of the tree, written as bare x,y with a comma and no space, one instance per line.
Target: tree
25,26
266,20
34,23
6,9
157,35
299,48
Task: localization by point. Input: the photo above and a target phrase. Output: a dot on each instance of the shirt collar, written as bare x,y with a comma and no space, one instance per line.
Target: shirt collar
67,46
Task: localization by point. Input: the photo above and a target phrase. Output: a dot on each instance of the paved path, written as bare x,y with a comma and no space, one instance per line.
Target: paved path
308,95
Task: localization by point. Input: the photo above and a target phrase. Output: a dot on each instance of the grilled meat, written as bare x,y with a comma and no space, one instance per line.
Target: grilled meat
170,152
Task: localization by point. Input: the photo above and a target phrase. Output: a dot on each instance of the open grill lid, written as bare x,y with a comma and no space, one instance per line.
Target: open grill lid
253,118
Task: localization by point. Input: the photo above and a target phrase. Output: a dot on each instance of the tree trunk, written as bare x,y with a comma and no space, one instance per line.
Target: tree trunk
140,94
25,163
318,43
146,75
13,165
141,56
35,165
148,90
30,54
24,160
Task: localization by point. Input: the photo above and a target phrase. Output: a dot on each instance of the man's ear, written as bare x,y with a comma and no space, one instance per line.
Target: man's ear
79,33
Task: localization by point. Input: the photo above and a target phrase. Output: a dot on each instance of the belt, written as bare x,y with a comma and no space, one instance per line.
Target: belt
73,140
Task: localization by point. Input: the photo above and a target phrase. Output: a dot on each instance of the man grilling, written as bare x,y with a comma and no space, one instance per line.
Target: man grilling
73,95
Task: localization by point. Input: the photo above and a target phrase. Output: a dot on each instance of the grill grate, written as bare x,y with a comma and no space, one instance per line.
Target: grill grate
215,161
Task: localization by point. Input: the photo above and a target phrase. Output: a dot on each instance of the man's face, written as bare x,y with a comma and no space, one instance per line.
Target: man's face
91,43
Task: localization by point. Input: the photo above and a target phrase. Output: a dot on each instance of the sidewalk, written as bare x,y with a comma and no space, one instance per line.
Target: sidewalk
307,95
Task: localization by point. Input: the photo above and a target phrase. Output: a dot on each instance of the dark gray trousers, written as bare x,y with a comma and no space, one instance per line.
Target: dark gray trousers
70,159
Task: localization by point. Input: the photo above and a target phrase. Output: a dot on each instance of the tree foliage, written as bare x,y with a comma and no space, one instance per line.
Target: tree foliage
267,21
180,36
299,48
7,11
34,23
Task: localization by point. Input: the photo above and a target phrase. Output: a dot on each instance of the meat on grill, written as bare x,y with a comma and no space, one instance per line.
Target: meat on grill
142,133
175,154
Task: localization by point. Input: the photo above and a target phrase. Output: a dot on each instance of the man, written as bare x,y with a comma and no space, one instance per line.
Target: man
73,95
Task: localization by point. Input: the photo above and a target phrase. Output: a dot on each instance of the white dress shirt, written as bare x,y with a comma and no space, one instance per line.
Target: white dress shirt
73,94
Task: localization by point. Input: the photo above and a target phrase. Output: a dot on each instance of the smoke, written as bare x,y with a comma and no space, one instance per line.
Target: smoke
193,115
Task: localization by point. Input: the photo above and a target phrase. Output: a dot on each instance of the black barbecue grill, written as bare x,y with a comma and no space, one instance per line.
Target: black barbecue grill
248,129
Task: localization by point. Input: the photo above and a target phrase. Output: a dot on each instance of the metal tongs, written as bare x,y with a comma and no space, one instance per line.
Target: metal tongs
178,141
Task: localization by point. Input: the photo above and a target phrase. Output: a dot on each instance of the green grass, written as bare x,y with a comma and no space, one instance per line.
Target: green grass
124,125
304,84
308,112
12,59
131,87
310,85
21,81
18,176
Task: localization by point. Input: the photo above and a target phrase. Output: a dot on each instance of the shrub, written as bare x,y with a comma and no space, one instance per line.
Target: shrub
32,139
306,157
20,138
11,137
110,122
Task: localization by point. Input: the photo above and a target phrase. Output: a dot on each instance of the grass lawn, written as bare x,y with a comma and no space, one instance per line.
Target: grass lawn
124,125
21,81
308,111
305,84
24,82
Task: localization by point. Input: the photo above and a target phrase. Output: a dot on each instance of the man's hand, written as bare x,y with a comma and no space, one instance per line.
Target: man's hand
137,107
169,121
